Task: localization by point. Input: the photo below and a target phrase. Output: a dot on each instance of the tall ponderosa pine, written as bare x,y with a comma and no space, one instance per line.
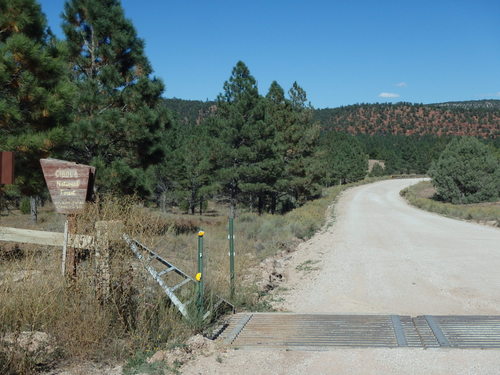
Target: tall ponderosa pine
35,93
119,121
245,144
297,139
279,115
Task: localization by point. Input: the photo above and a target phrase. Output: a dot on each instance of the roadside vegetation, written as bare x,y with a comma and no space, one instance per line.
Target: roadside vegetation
138,318
465,183
467,171
423,195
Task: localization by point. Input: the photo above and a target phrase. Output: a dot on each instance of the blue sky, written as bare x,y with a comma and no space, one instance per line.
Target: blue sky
340,52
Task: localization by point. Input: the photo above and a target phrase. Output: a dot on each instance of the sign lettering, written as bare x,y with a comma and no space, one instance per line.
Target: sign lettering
66,173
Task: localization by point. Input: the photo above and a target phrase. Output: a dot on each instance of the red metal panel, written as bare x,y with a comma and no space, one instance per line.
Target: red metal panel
68,184
6,167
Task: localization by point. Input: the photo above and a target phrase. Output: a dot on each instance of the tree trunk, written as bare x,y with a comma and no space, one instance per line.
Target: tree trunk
192,201
232,201
163,202
232,209
34,208
260,204
273,204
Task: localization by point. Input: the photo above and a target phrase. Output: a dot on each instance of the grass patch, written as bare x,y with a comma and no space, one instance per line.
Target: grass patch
307,266
138,364
421,195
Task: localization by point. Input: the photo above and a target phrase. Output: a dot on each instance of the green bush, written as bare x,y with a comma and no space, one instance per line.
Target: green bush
25,205
467,171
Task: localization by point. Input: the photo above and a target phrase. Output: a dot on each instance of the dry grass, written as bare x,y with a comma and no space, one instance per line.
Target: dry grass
137,317
422,194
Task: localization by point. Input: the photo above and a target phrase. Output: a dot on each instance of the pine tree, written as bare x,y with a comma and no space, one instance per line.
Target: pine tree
345,159
120,120
279,115
301,138
467,171
35,94
244,143
193,168
297,141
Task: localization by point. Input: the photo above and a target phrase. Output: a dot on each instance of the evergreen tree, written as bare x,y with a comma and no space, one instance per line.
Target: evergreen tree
278,115
246,161
120,119
35,94
345,159
467,171
193,169
297,140
301,137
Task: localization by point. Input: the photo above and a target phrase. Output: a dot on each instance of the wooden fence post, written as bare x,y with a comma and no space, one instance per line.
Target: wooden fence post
71,253
65,248
103,275
106,232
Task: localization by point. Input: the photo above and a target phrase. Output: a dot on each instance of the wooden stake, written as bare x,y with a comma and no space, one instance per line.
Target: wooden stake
106,231
71,254
65,248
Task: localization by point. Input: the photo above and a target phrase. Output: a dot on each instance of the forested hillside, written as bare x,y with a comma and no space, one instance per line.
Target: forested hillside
472,104
475,118
409,119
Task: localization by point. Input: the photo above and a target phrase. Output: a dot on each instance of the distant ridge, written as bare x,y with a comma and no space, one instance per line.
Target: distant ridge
471,104
473,118
479,118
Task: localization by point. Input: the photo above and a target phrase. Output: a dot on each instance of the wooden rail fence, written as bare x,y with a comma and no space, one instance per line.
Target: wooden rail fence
38,237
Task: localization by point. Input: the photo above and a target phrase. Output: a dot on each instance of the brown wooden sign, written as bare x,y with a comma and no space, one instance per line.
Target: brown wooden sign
69,184
6,168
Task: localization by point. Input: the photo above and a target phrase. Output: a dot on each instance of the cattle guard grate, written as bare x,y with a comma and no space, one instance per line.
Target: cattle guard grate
324,331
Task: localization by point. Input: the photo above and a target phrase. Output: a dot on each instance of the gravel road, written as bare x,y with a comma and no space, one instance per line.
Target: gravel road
383,256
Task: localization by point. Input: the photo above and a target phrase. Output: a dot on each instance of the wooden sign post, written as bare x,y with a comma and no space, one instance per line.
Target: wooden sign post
70,186
6,168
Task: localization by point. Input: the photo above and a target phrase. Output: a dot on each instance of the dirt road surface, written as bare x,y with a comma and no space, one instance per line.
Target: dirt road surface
383,256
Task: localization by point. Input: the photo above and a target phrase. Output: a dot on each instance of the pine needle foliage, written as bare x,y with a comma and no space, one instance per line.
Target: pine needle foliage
119,120
35,92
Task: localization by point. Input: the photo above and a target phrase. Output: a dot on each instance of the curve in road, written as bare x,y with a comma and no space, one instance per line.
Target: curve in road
385,256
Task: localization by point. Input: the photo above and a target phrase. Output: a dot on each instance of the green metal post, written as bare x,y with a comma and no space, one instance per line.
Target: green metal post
231,257
199,275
